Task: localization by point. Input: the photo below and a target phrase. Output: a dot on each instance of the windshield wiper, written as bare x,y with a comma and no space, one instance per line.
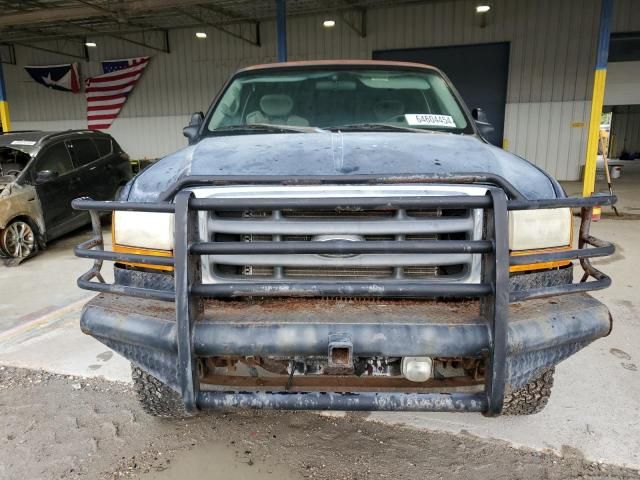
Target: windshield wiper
266,127
379,127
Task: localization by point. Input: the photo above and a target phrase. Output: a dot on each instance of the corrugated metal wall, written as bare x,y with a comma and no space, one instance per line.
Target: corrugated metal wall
550,78
625,130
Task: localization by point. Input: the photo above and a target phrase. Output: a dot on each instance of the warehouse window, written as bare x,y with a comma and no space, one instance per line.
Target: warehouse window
83,151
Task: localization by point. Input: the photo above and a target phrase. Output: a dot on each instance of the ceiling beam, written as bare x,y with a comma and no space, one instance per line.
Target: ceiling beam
163,49
91,10
79,34
57,14
199,15
115,14
51,50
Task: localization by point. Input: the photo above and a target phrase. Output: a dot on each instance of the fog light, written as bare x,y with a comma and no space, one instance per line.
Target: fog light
417,369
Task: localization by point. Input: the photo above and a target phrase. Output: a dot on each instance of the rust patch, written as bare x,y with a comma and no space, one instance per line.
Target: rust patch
294,303
347,383
319,310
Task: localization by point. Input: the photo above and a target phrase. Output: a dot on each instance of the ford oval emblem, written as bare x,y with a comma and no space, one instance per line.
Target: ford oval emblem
329,238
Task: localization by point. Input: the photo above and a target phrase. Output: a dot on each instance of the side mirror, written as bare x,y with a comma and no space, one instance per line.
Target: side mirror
479,115
485,128
191,131
45,176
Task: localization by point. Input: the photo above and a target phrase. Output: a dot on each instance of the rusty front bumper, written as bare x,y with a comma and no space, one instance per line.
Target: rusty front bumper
540,334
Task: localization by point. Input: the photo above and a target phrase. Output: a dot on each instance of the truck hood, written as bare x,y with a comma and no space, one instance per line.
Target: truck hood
353,153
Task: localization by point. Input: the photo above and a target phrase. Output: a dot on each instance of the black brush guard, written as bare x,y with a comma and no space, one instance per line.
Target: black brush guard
493,290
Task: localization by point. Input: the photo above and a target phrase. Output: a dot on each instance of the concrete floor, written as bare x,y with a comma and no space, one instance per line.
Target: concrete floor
594,410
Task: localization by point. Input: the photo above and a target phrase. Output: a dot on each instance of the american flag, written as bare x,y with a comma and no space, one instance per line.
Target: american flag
107,93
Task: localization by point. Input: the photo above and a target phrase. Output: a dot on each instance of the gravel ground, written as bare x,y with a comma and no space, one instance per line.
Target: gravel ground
55,427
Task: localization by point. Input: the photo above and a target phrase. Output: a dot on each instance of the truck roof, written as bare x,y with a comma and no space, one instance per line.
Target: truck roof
337,63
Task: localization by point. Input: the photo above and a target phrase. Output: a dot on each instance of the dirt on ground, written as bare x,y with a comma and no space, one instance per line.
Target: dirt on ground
55,427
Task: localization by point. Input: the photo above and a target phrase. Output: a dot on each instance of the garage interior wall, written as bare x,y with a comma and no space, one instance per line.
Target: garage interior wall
550,73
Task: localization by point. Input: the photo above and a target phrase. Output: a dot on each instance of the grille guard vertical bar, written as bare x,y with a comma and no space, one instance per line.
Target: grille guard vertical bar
495,307
188,307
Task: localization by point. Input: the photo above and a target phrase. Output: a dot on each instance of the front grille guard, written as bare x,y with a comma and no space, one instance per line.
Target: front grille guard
493,290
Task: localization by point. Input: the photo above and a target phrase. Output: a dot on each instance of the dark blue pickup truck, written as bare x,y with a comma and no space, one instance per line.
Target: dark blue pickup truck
340,236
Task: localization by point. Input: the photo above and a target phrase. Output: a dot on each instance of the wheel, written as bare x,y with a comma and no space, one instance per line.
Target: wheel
530,399
18,240
156,398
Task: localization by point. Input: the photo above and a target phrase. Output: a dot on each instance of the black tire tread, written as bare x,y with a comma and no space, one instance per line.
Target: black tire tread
532,398
156,398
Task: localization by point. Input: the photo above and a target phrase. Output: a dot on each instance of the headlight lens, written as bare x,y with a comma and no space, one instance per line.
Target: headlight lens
150,230
536,229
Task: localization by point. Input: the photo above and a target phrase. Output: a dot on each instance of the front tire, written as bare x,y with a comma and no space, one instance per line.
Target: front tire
532,398
155,397
18,240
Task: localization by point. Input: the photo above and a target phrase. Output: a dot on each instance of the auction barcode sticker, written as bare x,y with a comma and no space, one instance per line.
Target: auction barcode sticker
430,120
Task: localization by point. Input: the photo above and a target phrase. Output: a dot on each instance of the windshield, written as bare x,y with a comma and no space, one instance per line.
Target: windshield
367,99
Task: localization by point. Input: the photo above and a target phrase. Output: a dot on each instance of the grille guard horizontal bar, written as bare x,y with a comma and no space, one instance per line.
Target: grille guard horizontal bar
452,201
342,247
367,401
373,203
408,289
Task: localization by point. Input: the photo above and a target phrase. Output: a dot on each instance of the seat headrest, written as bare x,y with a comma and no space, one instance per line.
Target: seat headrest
275,105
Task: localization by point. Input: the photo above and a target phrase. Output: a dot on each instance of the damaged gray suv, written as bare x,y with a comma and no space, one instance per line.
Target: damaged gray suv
41,173
340,236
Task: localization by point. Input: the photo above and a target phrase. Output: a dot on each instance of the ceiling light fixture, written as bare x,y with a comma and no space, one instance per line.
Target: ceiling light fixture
329,23
483,8
201,35
90,44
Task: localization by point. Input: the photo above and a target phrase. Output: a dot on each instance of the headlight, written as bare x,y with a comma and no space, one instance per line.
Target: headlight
148,230
536,229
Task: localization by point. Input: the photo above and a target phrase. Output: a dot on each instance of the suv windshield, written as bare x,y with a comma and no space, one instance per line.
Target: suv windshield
367,99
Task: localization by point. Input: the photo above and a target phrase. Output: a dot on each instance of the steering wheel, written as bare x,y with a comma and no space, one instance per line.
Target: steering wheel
13,173
396,118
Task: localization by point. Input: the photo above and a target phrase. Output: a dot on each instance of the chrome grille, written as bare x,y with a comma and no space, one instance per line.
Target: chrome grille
308,225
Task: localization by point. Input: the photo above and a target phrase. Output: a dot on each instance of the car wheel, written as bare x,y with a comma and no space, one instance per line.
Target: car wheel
530,399
155,397
18,240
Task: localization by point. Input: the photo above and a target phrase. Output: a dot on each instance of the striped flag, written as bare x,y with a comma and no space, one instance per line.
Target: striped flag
107,93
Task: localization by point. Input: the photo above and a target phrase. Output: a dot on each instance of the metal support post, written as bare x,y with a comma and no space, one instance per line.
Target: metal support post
597,100
4,104
281,25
